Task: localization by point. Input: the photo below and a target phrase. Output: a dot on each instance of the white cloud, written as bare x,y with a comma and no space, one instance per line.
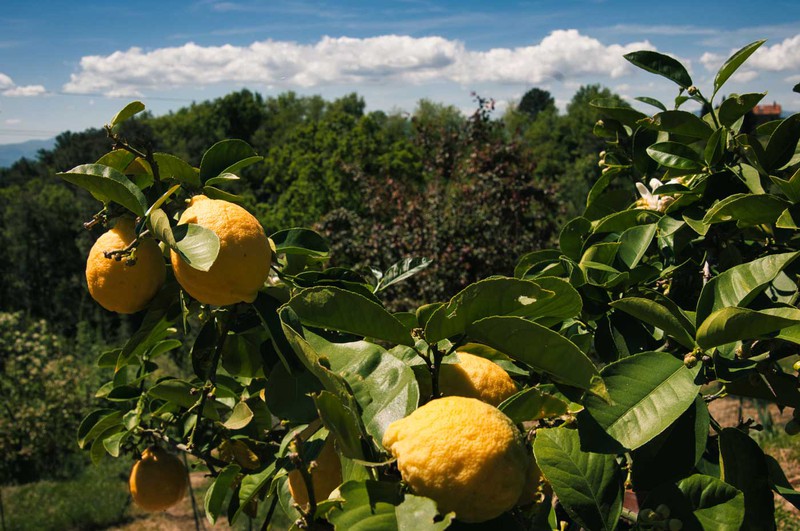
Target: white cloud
5,81
12,121
776,58
9,88
25,91
562,55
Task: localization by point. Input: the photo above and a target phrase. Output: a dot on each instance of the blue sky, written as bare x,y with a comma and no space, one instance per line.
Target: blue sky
72,65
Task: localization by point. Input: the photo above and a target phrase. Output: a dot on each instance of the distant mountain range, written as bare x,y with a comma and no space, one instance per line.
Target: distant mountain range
10,153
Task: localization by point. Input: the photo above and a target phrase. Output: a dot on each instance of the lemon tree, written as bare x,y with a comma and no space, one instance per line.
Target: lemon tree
549,399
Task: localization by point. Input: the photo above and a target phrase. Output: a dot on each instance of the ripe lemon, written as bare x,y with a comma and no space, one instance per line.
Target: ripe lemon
325,477
464,454
244,257
120,287
476,377
158,480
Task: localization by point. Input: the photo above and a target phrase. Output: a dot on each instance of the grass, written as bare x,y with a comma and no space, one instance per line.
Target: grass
94,500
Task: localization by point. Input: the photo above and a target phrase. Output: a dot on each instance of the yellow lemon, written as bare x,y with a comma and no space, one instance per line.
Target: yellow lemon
476,377
325,477
158,480
116,285
464,454
244,257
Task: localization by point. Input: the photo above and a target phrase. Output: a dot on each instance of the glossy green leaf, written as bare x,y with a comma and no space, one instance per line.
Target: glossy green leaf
288,396
300,241
203,350
172,167
226,156
541,348
573,235
648,392
368,505
182,393
532,404
250,487
734,324
215,193
564,304
493,296
779,482
670,320
588,485
662,65
134,107
790,187
782,143
744,467
737,105
679,123
733,63
536,258
384,386
651,101
119,159
196,245
417,513
218,491
342,421
345,311
107,184
741,284
611,108
715,147
746,209
402,270
97,422
701,502
675,155
240,417
634,243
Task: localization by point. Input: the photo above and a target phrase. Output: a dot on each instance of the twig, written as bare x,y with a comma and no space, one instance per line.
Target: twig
191,495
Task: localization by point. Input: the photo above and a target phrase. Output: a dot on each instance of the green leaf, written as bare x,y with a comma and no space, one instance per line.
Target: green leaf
541,348
648,392
300,241
662,65
97,422
532,404
368,506
734,324
670,320
218,491
651,101
197,246
402,270
345,311
634,243
791,187
240,417
679,123
564,304
129,110
741,284
573,236
172,167
216,193
288,396
417,513
226,156
737,105
744,467
715,147
383,386
203,350
251,485
733,63
782,143
673,454
532,259
611,108
675,155
746,210
181,393
588,485
701,502
493,296
107,184
119,159
342,421
780,484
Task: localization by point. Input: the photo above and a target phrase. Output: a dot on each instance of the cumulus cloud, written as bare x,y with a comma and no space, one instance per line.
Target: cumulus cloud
776,58
563,54
25,91
9,88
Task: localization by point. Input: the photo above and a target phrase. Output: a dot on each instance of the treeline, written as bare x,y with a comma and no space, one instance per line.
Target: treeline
470,192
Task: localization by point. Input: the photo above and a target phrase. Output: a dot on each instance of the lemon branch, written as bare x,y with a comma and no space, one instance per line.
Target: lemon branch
297,456
209,387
